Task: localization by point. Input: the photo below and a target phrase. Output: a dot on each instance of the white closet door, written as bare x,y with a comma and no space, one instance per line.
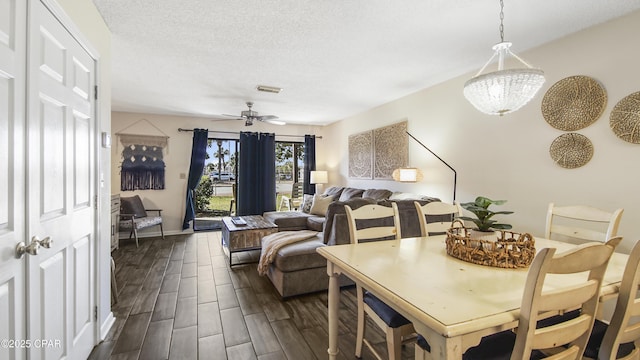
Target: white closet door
60,189
12,176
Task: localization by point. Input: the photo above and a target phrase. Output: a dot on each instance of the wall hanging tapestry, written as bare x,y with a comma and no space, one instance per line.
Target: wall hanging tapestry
625,118
571,150
390,149
142,162
361,155
574,103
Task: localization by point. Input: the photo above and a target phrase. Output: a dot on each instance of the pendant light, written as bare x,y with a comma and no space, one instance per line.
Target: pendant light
505,90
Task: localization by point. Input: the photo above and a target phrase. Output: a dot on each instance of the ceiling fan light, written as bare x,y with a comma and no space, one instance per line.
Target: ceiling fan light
269,89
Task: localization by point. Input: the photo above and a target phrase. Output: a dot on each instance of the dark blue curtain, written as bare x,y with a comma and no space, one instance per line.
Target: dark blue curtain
256,173
309,163
198,155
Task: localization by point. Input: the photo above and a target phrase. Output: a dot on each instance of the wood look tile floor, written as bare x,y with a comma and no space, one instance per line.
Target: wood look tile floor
179,299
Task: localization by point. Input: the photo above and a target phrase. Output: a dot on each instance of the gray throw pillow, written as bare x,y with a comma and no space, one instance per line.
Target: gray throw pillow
307,201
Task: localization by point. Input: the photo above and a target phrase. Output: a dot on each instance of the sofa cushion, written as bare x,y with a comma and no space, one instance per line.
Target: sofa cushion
287,220
349,193
300,255
315,223
334,191
320,204
378,194
391,317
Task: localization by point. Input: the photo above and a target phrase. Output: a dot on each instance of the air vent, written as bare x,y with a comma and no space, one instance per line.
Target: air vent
270,89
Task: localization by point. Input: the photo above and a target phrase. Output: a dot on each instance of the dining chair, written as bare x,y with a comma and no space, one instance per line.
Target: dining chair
567,337
369,223
616,340
436,208
581,222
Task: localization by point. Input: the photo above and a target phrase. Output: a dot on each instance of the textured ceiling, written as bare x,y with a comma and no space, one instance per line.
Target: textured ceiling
334,58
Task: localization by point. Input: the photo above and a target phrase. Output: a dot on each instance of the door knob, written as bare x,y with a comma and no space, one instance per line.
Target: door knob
45,243
31,249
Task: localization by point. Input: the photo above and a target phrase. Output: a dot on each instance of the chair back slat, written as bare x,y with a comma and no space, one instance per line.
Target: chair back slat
563,333
569,297
592,258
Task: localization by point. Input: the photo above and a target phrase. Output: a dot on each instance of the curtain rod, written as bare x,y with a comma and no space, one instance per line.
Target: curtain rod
237,133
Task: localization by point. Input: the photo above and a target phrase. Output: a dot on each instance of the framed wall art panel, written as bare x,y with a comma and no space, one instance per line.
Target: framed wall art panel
361,155
390,150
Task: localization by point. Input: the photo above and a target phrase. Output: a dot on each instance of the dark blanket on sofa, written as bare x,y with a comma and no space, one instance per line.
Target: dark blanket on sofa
336,228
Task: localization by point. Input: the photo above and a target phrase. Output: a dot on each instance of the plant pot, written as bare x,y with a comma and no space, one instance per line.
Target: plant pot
484,235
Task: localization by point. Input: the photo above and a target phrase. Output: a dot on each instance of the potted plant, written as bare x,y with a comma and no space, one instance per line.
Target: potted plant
485,225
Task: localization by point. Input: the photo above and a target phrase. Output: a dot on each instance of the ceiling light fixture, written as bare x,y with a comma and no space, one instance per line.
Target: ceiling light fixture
505,90
270,89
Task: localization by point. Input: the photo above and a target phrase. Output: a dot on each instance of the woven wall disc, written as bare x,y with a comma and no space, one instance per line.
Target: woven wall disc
571,150
625,118
574,103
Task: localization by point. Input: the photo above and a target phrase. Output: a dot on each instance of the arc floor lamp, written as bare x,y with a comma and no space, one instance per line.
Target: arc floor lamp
455,174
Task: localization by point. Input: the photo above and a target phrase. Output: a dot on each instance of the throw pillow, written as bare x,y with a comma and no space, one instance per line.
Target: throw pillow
320,204
307,201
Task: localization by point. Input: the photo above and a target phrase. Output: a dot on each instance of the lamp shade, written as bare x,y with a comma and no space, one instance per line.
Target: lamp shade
319,177
407,175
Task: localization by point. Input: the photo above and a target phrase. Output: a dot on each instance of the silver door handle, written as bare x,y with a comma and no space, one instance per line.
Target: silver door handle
45,243
31,249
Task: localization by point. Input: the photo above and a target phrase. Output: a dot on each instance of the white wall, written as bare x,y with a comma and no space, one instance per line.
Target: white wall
90,24
508,157
172,198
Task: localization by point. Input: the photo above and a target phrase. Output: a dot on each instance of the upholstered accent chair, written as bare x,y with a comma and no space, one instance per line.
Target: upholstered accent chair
134,217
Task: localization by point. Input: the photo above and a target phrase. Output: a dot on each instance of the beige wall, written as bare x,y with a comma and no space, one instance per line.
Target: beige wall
508,157
177,158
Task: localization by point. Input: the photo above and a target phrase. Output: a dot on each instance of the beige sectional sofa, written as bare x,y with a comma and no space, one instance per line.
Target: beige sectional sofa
298,268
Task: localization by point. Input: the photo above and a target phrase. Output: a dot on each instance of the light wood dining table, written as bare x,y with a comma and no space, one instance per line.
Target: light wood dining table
452,303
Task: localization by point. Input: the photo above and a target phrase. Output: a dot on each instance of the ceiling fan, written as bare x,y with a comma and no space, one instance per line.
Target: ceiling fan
249,116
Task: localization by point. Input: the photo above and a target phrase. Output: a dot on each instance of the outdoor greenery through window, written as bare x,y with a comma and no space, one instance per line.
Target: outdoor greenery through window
215,195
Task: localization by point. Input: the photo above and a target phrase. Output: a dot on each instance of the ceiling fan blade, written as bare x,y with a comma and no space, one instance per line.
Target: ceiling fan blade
274,122
240,117
218,118
266,117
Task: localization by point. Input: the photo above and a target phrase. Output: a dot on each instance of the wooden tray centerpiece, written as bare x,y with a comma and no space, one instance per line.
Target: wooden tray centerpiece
509,250
500,248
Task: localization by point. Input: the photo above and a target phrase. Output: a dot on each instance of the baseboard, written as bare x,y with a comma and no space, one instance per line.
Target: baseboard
106,326
125,235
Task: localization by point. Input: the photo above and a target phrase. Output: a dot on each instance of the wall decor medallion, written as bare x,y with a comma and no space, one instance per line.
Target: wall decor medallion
625,118
361,155
574,103
390,149
571,150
